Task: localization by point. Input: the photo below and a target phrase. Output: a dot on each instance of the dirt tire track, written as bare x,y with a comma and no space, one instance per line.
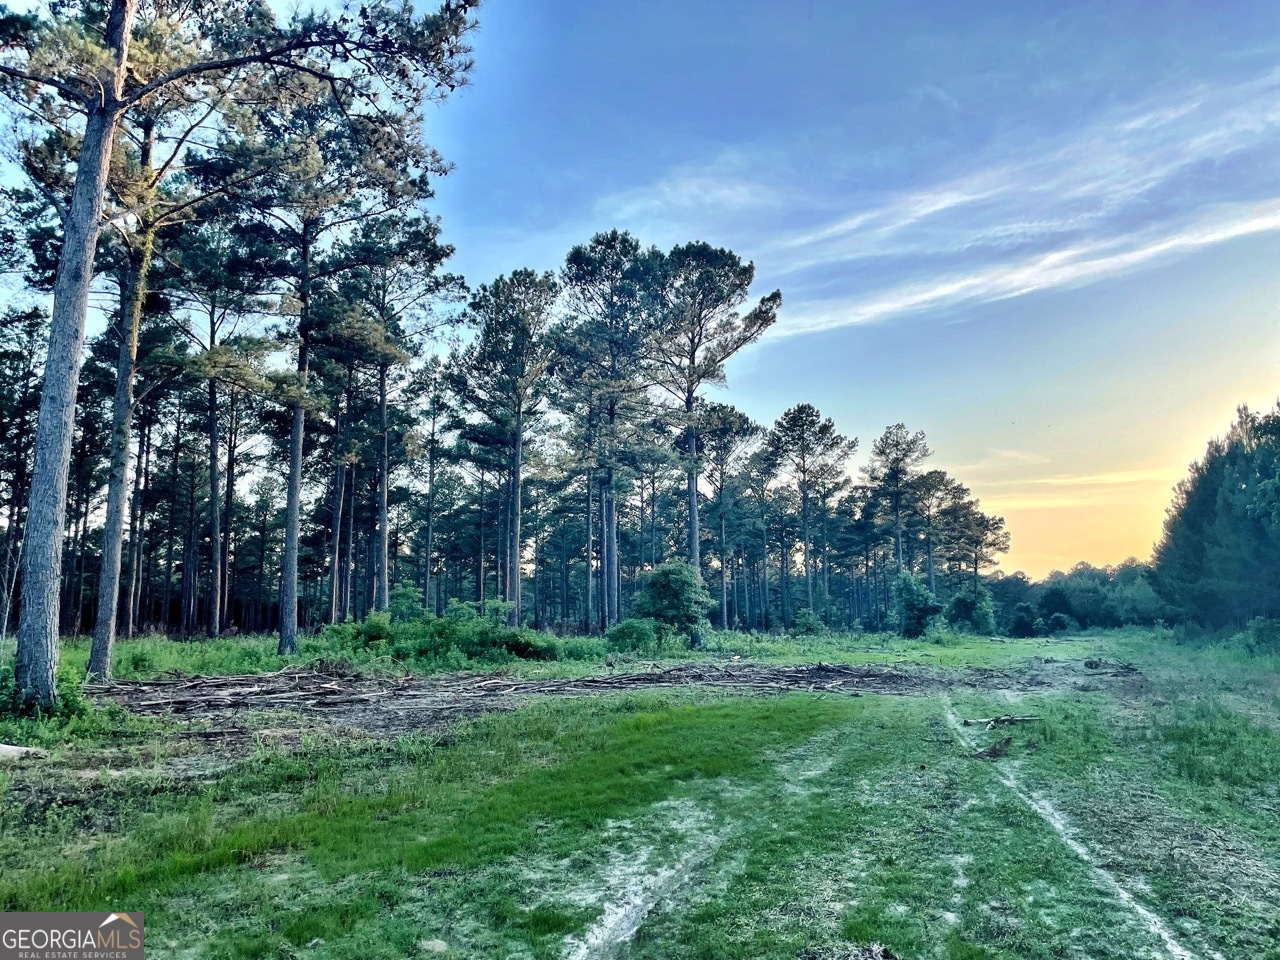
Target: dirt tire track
1058,823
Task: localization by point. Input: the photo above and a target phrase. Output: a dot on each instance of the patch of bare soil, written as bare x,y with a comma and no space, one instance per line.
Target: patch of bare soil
389,705
1049,673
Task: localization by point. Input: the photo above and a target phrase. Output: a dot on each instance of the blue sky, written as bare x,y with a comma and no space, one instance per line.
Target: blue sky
1047,234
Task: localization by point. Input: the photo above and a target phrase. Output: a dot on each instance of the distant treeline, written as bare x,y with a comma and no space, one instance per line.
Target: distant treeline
1083,597
1218,563
1216,566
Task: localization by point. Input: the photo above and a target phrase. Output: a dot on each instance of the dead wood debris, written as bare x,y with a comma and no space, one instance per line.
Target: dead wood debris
997,750
992,722
869,951
1116,668
318,691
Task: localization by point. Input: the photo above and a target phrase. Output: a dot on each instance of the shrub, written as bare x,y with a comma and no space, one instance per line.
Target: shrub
1262,636
525,644
460,610
636,635
676,596
1055,600
69,703
1023,624
497,611
807,625
580,648
938,632
405,603
915,604
974,613
1060,623
375,628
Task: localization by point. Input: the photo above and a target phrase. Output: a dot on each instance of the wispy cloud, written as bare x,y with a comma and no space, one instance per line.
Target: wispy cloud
1068,266
1065,491
686,193
1178,173
1115,478
1000,504
1019,456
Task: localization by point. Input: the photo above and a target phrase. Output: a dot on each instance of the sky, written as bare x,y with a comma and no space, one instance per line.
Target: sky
1047,234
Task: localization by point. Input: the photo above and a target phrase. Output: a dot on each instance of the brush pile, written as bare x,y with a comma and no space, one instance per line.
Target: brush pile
330,690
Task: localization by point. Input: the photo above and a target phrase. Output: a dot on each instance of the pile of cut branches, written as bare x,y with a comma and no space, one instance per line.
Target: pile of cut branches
320,690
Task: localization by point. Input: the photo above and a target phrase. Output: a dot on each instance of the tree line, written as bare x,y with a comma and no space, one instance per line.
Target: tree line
296,411
1218,562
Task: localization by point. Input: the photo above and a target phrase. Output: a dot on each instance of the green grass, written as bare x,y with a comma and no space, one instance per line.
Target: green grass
759,827
147,657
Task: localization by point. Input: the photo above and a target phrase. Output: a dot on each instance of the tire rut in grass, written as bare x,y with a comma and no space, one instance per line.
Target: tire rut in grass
638,882
1058,823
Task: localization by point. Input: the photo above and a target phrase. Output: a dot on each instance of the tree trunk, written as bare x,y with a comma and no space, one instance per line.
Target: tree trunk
897,527
480,575
335,541
104,632
173,525
228,509
137,533
724,575
808,565
602,570
764,565
590,622
513,571
37,654
431,518
691,448
293,500
933,588
382,597
348,568
609,533
292,521
213,621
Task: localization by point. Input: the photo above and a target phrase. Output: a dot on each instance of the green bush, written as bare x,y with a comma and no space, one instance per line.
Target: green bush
1262,636
580,648
437,641
497,611
971,613
807,625
1060,623
1024,621
915,605
69,703
376,628
637,635
460,610
938,632
675,595
405,603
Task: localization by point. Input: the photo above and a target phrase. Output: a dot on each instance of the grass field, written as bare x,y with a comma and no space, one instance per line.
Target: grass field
1139,817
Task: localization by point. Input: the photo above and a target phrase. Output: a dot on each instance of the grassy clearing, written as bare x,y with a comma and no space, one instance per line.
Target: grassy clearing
404,650
687,825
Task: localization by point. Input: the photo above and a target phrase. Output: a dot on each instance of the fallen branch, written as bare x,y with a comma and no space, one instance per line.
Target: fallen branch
992,722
